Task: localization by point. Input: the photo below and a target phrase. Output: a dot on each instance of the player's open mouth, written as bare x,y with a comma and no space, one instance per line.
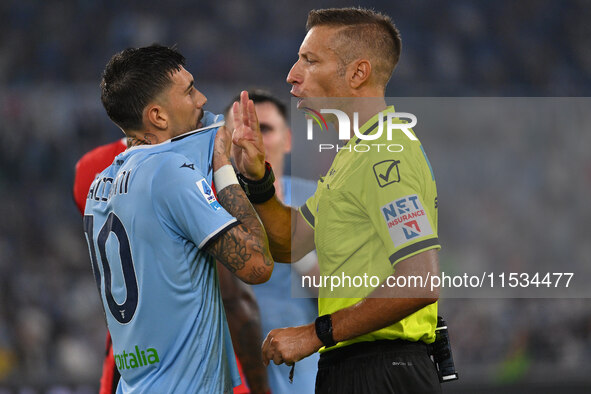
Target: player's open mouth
199,119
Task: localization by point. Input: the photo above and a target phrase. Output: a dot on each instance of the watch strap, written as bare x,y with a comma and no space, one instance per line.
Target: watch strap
259,191
323,325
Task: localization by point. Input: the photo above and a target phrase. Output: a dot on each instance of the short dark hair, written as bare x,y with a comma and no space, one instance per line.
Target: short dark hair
259,96
134,77
364,31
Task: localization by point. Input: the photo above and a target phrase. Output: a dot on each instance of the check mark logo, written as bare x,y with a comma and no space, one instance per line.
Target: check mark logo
390,168
391,173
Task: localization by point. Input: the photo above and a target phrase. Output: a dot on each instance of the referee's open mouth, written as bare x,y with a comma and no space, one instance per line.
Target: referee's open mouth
300,99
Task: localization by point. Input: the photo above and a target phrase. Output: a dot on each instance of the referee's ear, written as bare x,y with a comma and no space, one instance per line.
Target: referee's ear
361,71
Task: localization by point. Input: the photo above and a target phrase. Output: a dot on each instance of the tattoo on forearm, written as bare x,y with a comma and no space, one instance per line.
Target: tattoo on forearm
231,250
234,247
256,272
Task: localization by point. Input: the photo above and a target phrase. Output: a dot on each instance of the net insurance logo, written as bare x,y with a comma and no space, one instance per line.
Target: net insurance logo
393,120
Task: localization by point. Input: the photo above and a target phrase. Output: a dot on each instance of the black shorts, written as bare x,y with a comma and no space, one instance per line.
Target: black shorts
378,367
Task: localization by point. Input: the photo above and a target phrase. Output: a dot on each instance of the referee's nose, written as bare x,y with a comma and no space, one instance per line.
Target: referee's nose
295,76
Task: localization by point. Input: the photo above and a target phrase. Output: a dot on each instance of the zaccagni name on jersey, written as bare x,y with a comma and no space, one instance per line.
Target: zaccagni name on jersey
104,188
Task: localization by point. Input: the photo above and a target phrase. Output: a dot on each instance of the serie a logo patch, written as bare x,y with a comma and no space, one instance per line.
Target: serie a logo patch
207,193
406,219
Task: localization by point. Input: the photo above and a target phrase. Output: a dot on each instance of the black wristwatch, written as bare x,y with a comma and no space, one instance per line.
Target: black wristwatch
258,191
324,330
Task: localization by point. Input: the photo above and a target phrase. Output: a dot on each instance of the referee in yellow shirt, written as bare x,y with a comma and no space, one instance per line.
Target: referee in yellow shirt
373,214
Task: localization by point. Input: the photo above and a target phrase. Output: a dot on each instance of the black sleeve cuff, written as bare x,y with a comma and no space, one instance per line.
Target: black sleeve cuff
413,248
219,233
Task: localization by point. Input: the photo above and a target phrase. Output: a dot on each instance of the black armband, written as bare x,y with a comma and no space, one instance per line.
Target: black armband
258,191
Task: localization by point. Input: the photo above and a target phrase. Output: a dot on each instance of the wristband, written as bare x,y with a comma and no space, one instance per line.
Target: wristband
259,191
224,176
323,325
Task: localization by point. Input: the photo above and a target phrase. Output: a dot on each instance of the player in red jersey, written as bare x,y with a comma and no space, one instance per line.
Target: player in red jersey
239,301
91,164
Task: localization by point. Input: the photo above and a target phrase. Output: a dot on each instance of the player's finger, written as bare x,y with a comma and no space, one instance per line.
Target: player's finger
223,131
226,138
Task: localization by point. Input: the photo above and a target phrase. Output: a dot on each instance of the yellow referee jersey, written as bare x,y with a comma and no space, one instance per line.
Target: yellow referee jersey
377,205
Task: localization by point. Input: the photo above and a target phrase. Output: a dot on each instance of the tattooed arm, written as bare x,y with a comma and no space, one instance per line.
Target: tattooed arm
243,249
244,321
290,237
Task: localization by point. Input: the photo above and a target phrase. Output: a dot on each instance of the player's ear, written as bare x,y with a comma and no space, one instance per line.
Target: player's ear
156,116
360,71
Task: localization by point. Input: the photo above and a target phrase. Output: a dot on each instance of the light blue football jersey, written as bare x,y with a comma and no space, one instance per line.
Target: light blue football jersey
275,298
148,218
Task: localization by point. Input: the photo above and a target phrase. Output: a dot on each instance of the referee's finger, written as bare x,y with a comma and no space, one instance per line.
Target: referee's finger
267,351
277,359
252,116
237,114
244,107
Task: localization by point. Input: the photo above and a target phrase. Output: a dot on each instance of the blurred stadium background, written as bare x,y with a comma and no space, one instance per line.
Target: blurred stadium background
51,57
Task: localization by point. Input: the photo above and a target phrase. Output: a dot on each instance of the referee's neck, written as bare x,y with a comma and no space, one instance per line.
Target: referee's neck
365,108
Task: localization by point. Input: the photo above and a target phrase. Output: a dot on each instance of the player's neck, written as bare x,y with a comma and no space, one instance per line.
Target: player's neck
136,138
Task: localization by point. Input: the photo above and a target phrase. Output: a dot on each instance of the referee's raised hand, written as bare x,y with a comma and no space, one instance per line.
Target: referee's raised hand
248,150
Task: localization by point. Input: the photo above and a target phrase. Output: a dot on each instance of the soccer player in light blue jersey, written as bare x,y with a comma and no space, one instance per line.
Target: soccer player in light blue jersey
155,228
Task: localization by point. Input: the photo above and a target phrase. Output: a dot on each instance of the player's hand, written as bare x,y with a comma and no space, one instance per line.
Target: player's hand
221,148
248,150
291,344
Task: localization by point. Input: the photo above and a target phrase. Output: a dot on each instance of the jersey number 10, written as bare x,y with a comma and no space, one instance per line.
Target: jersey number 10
124,312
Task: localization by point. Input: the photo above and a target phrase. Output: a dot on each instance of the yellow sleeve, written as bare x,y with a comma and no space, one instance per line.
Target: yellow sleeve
399,198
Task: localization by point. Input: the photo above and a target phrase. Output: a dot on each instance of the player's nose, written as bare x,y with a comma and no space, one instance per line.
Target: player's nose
200,99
